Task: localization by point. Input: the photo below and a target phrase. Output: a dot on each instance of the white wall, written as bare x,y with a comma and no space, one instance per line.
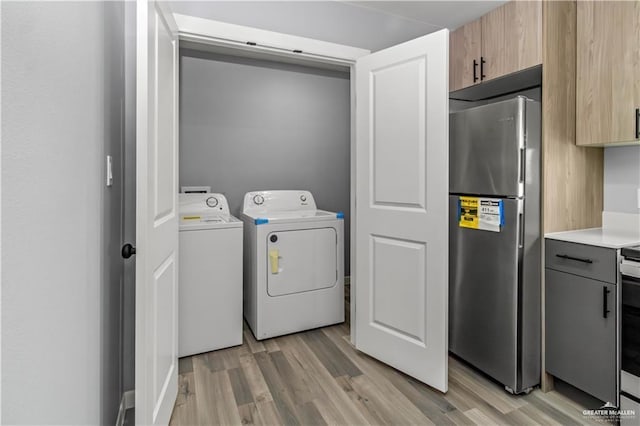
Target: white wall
61,90
621,179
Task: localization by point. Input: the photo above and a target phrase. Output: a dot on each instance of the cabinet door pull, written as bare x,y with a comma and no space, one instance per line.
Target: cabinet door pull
605,297
475,70
577,259
637,123
482,62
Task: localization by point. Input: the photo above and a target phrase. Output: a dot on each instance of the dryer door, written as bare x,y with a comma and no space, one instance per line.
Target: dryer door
301,260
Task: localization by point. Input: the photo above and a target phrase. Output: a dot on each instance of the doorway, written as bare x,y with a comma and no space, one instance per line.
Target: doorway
396,149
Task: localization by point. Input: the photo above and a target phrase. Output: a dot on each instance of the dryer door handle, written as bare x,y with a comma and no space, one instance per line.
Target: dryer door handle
274,255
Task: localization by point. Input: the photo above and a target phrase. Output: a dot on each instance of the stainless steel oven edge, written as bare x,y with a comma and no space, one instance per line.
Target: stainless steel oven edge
618,325
629,383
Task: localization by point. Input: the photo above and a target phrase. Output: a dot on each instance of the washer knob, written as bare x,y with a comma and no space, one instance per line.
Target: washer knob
303,198
212,202
258,199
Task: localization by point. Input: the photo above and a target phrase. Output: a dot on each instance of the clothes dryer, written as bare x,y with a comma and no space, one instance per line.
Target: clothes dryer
293,263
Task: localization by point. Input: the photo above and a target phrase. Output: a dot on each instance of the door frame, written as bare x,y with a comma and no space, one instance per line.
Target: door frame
210,35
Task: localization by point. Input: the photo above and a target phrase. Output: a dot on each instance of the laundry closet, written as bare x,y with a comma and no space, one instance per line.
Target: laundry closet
361,138
249,124
270,138
351,128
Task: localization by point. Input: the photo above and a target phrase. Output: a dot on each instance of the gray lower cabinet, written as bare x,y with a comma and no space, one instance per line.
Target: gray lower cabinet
580,322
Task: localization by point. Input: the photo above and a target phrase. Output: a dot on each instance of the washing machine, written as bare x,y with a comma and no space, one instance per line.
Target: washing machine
210,275
294,263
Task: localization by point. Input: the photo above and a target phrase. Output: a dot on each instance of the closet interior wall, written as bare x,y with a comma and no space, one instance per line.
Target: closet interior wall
252,124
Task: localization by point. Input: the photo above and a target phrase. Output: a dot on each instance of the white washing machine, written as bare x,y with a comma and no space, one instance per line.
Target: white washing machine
294,264
210,275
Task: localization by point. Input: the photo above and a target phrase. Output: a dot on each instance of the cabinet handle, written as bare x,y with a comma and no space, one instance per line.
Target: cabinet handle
637,123
475,70
577,259
482,62
605,297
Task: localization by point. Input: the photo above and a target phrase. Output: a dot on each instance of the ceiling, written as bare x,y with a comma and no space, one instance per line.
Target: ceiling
443,14
372,25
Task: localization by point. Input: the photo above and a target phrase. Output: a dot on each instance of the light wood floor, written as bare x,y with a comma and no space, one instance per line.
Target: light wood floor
317,378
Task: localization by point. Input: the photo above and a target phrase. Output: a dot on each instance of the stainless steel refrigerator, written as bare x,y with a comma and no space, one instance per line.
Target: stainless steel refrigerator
494,249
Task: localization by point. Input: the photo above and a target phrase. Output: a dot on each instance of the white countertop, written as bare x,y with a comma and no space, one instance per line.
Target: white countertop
600,237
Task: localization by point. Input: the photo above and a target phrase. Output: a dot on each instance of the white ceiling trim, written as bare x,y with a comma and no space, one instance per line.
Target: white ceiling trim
207,31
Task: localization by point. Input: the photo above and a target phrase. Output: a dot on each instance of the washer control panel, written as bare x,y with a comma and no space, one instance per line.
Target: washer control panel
205,204
212,202
277,201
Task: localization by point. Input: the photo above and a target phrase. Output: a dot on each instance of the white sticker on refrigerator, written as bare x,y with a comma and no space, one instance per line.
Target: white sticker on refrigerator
481,213
491,214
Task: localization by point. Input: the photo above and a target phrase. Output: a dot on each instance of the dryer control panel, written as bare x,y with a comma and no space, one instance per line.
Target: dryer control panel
259,202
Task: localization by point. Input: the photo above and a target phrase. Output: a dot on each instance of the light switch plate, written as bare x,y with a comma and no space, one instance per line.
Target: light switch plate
109,170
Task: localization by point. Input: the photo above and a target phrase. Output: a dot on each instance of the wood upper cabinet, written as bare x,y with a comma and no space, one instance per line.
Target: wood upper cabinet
512,38
505,40
608,72
464,55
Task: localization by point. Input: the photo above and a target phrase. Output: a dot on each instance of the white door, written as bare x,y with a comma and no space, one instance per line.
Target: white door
156,215
402,174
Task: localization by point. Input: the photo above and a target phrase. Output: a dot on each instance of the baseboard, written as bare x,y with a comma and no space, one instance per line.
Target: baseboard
127,402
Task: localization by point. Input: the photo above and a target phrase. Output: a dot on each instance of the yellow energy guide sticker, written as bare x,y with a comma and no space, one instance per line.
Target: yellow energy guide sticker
486,214
468,212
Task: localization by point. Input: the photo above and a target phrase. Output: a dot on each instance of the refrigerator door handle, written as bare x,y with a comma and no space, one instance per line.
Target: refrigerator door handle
520,230
521,165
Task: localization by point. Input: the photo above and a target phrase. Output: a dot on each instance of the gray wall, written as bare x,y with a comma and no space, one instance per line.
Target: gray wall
621,179
61,114
250,125
111,284
332,21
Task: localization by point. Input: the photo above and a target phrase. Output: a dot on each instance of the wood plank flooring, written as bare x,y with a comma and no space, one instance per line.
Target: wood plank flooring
318,378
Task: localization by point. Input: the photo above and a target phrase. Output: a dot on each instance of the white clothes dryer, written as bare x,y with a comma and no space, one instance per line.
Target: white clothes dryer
210,275
293,263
